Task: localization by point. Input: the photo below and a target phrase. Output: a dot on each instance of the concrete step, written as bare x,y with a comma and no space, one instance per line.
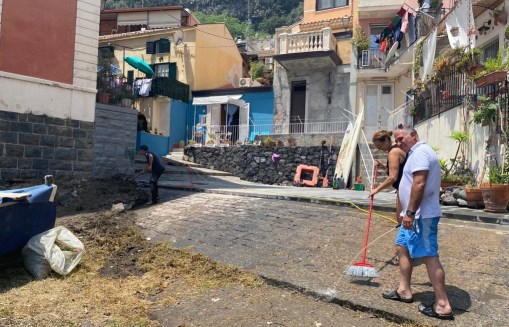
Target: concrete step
173,160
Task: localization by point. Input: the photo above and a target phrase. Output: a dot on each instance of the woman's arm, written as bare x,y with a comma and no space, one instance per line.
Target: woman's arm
394,161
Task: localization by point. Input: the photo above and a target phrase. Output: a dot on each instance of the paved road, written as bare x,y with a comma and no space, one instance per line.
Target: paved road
308,246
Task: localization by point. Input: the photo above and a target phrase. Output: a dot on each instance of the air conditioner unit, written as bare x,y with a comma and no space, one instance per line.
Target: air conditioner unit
269,61
245,82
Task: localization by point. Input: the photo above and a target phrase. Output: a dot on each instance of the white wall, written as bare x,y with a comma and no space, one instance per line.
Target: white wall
436,131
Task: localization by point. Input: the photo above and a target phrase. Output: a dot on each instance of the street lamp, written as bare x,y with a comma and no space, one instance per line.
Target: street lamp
345,21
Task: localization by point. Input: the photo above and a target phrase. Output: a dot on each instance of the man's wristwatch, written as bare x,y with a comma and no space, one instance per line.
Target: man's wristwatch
410,213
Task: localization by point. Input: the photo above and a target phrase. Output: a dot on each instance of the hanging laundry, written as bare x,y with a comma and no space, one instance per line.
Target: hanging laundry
137,86
146,84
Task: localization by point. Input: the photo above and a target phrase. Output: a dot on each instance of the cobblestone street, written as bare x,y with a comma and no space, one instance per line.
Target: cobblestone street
307,247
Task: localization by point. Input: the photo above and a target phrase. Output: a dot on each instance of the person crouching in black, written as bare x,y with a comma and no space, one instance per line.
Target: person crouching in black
156,167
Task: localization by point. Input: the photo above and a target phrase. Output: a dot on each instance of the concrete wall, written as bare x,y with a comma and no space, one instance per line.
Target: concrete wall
436,131
319,85
115,140
178,117
32,146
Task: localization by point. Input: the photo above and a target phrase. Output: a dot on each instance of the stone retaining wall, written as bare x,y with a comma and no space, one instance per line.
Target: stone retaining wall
115,140
254,163
32,146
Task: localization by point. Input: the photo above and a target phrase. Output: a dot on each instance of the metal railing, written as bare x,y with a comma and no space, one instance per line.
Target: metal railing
170,88
401,115
371,59
230,134
367,158
457,89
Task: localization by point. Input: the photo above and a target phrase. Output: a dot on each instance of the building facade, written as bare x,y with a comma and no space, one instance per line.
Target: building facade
48,81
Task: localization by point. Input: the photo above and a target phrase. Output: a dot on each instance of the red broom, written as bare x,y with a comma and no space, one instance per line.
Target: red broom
363,268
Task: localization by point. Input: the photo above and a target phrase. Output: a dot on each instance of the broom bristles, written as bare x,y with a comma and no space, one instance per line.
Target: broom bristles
362,271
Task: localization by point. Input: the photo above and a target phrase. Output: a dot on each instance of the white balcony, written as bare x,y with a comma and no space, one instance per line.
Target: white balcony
293,50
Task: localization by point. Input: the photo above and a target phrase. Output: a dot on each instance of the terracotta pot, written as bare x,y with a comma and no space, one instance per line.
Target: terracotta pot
103,98
126,102
492,78
474,197
496,197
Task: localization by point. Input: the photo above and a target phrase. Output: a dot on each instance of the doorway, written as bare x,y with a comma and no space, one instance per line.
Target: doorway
379,104
298,107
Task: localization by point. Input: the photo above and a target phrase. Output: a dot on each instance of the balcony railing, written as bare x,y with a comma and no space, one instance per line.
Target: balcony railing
232,133
371,59
322,40
401,115
118,88
454,90
164,86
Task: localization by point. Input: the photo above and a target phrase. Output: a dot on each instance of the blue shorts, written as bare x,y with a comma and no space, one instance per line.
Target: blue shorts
421,240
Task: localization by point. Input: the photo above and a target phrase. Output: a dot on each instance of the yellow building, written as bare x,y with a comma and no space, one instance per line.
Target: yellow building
184,55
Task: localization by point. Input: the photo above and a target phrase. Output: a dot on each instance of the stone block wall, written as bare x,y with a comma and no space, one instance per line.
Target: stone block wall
254,163
32,146
115,140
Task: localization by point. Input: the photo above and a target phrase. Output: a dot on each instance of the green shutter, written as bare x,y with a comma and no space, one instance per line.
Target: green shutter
130,77
164,46
151,47
172,73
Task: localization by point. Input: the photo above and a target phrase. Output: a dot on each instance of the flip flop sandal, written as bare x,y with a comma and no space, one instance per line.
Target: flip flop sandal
393,261
429,310
394,295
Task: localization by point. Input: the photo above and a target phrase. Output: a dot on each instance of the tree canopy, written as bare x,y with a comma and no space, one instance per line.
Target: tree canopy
247,18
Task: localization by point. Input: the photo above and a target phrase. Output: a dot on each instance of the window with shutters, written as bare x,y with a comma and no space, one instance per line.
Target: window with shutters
161,46
168,69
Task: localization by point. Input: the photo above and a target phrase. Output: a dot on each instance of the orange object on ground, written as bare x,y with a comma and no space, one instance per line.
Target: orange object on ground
301,171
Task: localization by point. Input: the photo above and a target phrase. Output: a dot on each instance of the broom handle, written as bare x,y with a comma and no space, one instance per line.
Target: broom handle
368,224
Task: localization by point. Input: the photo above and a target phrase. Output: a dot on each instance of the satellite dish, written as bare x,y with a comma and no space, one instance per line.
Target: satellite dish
178,37
391,52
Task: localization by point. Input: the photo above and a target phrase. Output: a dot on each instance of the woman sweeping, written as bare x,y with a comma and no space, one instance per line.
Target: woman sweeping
396,159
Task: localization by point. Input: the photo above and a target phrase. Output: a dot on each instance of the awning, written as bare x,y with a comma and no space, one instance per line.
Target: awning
219,99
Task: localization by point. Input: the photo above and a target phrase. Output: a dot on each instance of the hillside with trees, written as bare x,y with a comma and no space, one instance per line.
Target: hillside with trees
244,18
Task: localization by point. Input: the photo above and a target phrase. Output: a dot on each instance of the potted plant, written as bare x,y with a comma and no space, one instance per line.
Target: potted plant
495,193
292,141
104,78
127,98
456,173
500,16
360,40
268,141
470,62
494,71
441,67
